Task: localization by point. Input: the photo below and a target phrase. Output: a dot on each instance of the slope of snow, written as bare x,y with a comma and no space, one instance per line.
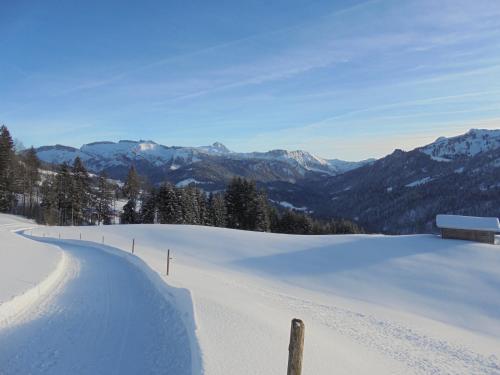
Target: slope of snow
23,264
468,144
187,182
404,304
215,148
60,154
422,181
304,159
291,206
342,166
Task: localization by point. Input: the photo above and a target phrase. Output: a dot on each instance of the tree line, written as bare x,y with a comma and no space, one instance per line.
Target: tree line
71,196
67,196
240,206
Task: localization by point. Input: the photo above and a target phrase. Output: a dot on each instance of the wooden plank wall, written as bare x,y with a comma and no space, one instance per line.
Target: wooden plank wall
469,235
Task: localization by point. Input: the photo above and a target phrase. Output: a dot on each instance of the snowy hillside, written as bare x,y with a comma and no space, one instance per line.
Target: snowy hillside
405,304
471,143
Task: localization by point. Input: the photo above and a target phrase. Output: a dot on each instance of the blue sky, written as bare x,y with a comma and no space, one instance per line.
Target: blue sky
346,79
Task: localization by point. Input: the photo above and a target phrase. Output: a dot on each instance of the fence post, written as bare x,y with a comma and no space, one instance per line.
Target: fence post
168,261
296,347
133,245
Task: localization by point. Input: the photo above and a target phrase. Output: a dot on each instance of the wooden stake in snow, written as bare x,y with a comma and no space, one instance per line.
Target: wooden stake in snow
133,245
296,347
80,236
168,261
102,239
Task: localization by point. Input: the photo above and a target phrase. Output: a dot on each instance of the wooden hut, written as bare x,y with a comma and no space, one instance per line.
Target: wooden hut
471,228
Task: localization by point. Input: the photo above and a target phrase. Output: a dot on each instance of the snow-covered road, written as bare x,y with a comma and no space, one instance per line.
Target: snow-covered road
104,317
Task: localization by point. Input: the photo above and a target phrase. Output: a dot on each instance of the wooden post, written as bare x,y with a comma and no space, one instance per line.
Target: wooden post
133,245
296,347
168,261
102,239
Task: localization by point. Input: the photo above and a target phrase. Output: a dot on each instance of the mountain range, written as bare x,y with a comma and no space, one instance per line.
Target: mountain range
399,193
207,165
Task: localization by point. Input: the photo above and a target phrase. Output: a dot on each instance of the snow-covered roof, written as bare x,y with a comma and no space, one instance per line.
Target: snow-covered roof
468,222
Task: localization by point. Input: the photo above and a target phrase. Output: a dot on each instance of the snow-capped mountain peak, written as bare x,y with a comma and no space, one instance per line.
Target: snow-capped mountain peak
471,143
215,148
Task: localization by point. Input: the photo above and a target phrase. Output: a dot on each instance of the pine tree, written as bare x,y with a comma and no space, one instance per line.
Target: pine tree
129,215
234,203
80,193
262,220
64,190
295,223
217,210
32,178
104,200
49,196
201,201
169,207
132,186
131,190
274,219
148,207
7,178
246,207
189,204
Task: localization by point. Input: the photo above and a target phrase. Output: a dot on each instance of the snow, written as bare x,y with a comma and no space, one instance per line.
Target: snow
404,304
468,222
60,154
23,264
291,206
437,158
342,166
422,181
215,148
471,143
187,182
87,326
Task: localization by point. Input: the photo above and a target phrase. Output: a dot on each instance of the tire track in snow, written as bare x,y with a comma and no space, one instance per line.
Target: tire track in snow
106,316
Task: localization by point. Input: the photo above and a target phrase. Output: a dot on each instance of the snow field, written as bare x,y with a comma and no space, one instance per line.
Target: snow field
371,304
